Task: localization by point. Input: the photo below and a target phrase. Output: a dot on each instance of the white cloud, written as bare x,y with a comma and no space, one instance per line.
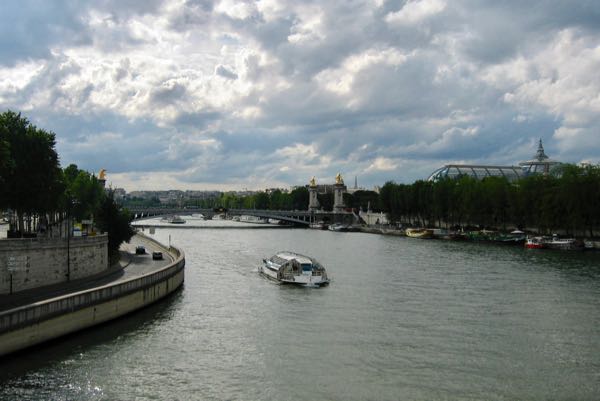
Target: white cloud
559,79
276,91
309,26
236,9
299,151
382,164
13,79
416,10
340,80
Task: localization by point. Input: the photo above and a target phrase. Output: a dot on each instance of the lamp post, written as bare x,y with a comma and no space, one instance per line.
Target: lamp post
70,205
68,241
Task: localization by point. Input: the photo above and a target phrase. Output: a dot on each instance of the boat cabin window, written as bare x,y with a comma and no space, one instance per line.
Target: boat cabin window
306,267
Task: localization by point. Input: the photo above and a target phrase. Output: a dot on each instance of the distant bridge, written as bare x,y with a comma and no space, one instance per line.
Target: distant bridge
299,217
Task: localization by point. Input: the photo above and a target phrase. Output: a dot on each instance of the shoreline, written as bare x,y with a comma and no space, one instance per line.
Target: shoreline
35,322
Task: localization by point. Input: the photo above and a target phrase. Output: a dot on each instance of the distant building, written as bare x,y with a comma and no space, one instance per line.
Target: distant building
540,164
355,188
119,193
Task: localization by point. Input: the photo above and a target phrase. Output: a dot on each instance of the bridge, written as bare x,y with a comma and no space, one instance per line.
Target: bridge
297,217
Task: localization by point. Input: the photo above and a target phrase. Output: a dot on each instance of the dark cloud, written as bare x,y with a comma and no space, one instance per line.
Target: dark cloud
197,120
168,93
29,29
309,88
225,72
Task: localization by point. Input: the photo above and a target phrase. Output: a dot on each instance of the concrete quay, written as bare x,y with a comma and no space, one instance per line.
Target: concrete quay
42,314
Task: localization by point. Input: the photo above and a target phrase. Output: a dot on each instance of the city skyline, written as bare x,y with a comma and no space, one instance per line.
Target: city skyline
227,95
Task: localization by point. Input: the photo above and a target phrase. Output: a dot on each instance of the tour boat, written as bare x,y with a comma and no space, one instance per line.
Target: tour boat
422,233
292,268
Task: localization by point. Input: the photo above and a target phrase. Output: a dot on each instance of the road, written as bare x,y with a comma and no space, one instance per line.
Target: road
129,266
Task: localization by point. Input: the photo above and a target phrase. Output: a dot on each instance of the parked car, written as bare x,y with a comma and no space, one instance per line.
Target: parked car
140,250
157,255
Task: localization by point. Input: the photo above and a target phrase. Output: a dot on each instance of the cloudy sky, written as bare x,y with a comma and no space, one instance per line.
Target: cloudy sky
200,94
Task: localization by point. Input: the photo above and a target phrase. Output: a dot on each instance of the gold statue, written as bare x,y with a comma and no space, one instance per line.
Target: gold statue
102,175
339,179
313,182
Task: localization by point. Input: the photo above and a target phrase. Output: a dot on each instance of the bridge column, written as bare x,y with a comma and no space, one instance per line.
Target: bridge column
313,201
338,194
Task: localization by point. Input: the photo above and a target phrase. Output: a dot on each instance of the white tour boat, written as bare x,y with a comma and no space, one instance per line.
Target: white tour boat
292,268
176,220
252,219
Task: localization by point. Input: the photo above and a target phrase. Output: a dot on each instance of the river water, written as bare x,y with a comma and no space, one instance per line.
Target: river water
403,319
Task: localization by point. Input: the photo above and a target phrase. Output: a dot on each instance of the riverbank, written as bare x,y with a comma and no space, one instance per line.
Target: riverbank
474,236
142,282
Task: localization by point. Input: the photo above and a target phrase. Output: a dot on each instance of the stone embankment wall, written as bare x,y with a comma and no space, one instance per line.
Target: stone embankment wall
32,263
32,324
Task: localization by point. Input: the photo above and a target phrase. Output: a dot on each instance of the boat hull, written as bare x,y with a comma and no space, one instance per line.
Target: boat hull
300,280
565,244
419,233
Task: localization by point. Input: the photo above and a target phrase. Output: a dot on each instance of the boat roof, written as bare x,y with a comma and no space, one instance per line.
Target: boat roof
291,256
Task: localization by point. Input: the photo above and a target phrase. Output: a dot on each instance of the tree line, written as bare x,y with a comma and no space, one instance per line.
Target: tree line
566,200
297,199
41,195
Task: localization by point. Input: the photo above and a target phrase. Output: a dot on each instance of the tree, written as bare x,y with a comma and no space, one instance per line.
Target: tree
6,165
115,222
299,198
32,182
326,201
83,193
362,199
261,200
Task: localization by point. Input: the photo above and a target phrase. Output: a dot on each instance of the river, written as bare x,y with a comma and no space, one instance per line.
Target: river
402,319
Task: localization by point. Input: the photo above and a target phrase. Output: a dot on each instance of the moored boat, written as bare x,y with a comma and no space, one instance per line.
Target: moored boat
554,242
423,233
337,227
318,225
452,236
252,219
516,237
567,244
175,220
293,268
535,243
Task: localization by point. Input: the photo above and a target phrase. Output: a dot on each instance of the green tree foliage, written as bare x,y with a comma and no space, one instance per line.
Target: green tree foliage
567,200
275,200
6,165
31,173
33,184
83,193
326,201
153,202
362,200
114,221
299,198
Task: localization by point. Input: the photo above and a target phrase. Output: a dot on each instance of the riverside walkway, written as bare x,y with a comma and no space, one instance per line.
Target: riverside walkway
129,266
32,317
